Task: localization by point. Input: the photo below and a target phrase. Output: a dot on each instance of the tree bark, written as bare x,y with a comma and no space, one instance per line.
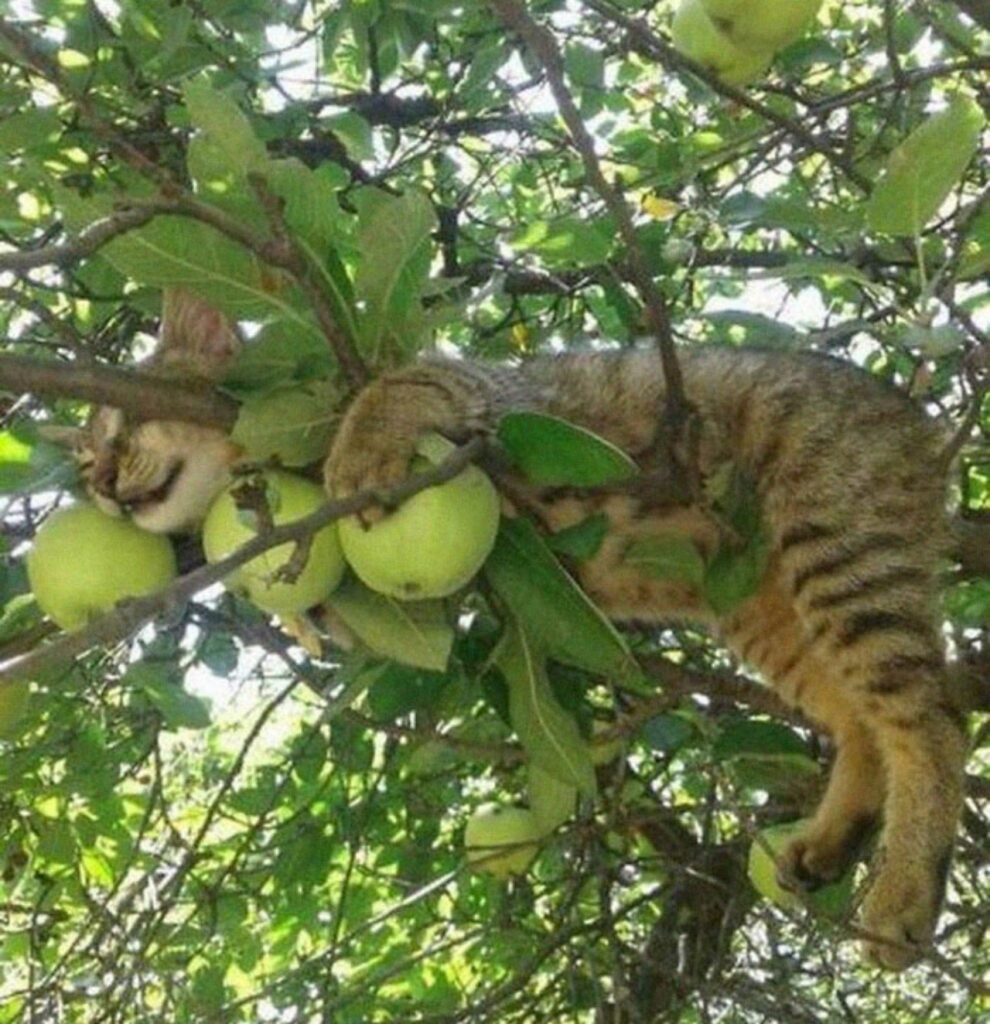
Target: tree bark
141,395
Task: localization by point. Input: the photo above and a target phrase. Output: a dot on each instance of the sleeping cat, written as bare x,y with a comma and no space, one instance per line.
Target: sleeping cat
844,624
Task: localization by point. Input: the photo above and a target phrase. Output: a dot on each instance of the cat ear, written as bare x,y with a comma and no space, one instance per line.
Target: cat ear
195,336
68,437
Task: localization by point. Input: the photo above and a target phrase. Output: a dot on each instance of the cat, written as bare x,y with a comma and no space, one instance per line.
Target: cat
163,474
844,625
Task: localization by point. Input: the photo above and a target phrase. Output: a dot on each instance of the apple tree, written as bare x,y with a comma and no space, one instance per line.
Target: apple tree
492,804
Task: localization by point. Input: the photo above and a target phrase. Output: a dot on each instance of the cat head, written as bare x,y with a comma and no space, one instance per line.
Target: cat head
163,474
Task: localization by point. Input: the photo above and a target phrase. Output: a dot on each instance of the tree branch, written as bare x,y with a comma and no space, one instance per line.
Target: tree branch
85,244
544,47
133,613
141,395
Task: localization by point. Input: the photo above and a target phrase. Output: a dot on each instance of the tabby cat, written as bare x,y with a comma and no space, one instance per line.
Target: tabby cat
844,625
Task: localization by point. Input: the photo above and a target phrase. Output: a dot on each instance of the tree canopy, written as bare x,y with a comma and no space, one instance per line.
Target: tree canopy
207,814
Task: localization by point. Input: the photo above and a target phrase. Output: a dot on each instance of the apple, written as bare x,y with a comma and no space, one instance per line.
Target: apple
698,36
432,544
724,10
771,24
512,830
290,497
14,697
832,900
84,561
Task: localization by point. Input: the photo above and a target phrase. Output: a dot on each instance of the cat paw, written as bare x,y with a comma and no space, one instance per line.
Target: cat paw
813,859
899,915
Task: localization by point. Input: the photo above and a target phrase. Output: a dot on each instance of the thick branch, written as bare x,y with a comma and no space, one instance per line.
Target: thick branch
140,395
130,615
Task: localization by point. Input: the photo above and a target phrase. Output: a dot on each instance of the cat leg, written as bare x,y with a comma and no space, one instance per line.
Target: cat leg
924,751
825,847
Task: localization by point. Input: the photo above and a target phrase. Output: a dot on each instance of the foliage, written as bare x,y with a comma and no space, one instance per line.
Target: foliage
220,820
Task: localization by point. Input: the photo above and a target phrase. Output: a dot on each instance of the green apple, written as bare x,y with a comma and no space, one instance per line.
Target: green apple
290,497
84,561
14,698
724,9
432,544
502,841
697,36
833,900
771,24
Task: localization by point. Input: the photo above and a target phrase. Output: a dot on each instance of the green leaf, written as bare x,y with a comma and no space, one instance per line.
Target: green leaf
754,736
922,171
552,801
394,239
401,689
223,122
279,354
568,240
412,632
550,736
734,575
181,710
27,129
29,464
531,582
585,66
668,556
582,540
669,732
553,452
293,424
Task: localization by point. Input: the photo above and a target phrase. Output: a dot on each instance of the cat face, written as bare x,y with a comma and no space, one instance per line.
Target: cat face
163,475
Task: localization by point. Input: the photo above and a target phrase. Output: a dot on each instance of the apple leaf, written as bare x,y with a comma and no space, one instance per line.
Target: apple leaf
526,576
582,540
550,736
394,239
554,453
412,632
921,172
552,801
668,556
751,736
293,424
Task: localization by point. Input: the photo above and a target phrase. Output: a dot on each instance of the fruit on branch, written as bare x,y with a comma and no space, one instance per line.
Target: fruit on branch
434,542
766,24
832,900
502,841
288,497
84,561
14,697
704,39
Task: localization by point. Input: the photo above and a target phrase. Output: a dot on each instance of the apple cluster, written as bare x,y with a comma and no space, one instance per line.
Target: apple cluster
737,39
429,547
